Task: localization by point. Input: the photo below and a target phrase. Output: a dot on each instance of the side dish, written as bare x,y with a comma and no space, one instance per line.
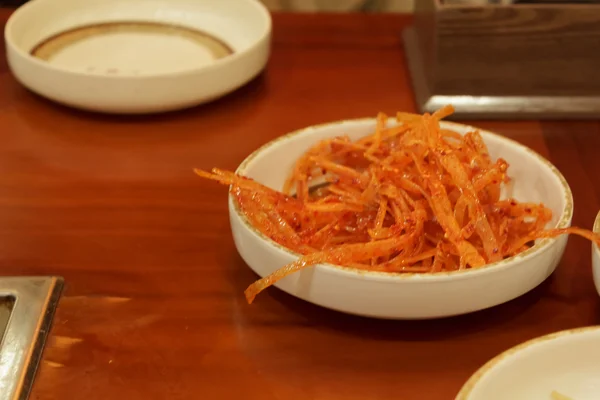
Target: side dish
410,197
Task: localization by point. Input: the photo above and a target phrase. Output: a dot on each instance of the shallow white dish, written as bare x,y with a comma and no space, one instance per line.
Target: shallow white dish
406,296
137,56
596,256
566,362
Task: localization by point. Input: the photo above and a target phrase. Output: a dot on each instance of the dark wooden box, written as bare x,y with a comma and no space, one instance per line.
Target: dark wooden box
506,61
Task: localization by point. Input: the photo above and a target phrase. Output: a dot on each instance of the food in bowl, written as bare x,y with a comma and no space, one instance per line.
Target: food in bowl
412,197
405,295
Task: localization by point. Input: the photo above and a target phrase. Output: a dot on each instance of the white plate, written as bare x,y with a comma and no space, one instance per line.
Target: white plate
567,362
137,56
406,296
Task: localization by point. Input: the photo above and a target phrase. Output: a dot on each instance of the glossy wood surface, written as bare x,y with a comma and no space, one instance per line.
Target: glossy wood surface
153,306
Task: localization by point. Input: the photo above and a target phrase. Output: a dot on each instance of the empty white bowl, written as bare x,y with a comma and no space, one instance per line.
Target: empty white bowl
566,362
137,56
405,296
596,256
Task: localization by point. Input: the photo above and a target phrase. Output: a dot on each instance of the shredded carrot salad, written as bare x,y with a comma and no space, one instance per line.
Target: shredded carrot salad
413,197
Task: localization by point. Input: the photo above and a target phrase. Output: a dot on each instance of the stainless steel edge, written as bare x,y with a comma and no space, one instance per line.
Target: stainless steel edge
26,332
517,107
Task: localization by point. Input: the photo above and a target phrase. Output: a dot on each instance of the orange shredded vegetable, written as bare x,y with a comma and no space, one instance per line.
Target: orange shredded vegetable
409,198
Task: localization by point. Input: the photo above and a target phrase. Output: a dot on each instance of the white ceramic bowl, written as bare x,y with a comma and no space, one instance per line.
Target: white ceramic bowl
406,296
567,362
596,256
137,56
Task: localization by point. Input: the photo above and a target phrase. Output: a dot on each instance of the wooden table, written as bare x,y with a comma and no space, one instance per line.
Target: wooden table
153,306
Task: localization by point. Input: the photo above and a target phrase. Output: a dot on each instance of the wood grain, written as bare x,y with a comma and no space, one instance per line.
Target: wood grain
153,305
519,50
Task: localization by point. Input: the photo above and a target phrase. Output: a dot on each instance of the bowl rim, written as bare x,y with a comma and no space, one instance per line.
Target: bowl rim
596,229
219,63
470,384
542,245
